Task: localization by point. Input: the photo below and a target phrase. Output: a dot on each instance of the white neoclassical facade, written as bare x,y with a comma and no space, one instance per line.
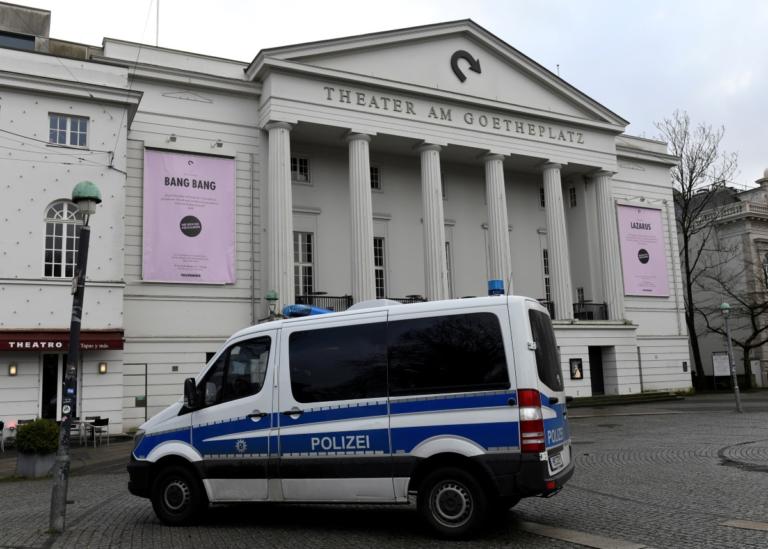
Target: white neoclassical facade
413,164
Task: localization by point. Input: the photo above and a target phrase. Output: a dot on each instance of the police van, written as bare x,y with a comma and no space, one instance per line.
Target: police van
457,402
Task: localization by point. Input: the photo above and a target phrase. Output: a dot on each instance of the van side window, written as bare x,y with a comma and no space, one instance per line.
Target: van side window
344,363
547,357
239,372
446,354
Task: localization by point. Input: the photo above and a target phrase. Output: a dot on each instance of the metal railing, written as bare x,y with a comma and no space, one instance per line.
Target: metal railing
590,311
330,302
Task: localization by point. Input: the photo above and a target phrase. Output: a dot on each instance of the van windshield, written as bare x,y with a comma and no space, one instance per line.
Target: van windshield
547,359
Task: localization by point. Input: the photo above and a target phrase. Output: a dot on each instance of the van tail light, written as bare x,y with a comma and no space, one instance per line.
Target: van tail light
531,421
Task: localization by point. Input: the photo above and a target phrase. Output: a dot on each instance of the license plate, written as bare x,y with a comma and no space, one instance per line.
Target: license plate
556,462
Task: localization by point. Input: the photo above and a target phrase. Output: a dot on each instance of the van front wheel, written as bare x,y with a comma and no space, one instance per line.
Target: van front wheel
452,502
177,496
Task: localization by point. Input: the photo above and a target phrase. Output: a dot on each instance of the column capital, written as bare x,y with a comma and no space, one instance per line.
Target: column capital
551,166
492,156
601,173
429,147
277,124
355,136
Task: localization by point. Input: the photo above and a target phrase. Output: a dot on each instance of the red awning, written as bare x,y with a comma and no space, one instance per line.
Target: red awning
58,340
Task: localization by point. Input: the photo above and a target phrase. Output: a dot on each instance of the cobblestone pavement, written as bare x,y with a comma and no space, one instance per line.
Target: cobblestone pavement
670,477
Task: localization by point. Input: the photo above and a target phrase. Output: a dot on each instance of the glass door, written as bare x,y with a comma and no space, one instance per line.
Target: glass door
52,381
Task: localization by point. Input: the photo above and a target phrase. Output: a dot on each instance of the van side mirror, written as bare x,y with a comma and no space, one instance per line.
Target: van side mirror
190,394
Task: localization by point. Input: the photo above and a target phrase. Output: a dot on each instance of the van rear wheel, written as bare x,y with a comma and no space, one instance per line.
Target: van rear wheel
177,496
452,502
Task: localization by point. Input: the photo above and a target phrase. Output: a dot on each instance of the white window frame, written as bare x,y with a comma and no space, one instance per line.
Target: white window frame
547,283
301,280
70,131
296,170
379,267
376,178
62,221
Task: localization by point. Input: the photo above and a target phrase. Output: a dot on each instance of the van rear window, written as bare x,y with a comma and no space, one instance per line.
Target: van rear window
547,357
446,354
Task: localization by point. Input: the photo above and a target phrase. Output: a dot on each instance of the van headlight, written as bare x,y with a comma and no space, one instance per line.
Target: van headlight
137,438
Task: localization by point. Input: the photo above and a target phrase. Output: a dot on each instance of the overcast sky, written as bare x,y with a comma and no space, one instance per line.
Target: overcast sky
641,59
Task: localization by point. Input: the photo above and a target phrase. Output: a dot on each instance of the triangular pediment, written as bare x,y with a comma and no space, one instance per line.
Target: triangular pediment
459,58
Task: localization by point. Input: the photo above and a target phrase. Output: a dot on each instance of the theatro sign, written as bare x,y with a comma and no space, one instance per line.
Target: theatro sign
58,341
459,117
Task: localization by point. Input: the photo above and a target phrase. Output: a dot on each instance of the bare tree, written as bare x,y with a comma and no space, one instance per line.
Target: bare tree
732,275
702,165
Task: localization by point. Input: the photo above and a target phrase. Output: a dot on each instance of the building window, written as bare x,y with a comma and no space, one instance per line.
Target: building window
378,267
547,287
542,202
303,263
449,268
61,235
375,178
339,363
572,196
580,295
68,130
300,169
765,271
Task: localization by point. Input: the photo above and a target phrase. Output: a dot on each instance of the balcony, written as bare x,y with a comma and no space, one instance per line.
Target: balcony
584,310
330,302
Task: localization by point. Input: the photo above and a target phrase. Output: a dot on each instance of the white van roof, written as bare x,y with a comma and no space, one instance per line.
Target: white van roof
386,305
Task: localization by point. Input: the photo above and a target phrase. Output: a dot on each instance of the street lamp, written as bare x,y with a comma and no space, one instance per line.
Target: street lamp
86,196
726,310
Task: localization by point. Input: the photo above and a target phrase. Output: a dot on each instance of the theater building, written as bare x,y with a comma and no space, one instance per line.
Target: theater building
419,163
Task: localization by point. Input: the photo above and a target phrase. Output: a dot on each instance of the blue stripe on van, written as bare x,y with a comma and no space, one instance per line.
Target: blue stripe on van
149,441
450,403
320,415
487,435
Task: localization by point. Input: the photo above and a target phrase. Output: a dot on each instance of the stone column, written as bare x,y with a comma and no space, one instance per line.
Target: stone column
280,214
435,267
363,284
498,223
610,258
559,260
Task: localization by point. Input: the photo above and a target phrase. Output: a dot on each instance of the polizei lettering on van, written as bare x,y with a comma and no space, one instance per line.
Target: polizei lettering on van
341,442
555,436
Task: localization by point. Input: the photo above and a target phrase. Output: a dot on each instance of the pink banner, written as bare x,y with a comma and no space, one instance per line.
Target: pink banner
189,218
643,257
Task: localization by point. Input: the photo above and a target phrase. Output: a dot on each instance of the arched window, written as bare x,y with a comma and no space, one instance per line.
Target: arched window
61,234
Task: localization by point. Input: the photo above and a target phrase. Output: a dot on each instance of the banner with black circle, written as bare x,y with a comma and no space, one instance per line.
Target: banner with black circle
643,254
189,218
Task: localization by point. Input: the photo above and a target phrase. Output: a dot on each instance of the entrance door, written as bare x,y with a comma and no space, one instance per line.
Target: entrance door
134,394
52,380
596,370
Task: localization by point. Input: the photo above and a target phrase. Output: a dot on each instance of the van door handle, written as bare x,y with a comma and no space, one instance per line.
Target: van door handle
512,402
257,415
293,412
554,400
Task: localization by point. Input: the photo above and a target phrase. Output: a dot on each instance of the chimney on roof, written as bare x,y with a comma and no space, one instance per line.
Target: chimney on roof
763,181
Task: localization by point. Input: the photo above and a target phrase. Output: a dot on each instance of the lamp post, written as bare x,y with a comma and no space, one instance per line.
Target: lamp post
272,298
726,310
86,195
